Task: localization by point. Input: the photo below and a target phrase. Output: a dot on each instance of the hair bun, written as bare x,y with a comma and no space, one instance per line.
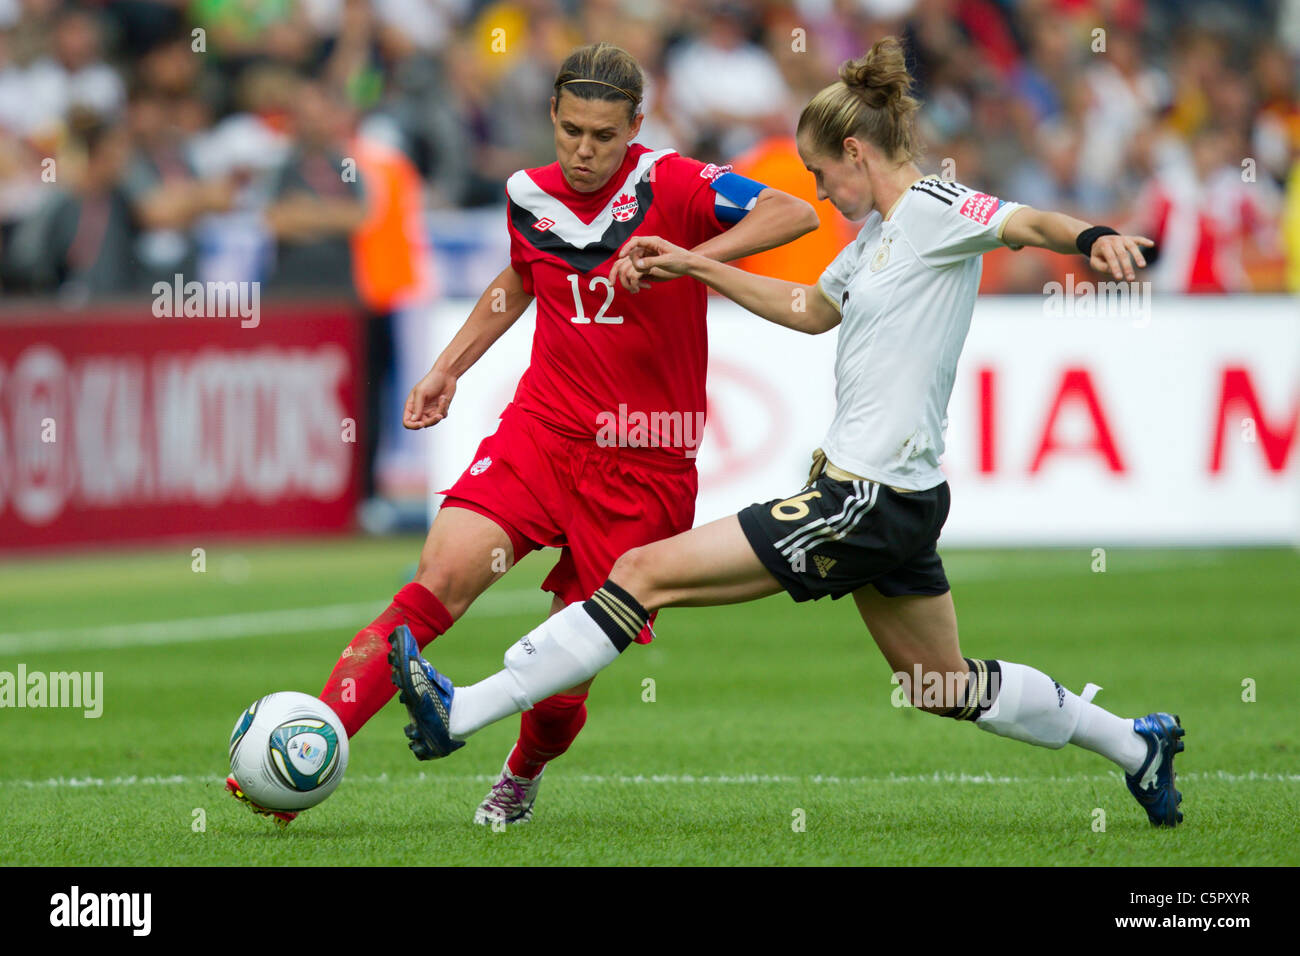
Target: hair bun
880,77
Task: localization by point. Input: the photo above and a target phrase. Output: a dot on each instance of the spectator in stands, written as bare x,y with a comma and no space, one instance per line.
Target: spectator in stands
775,162
1206,220
520,112
316,195
488,164
723,86
1016,95
78,243
1275,136
1124,94
166,195
1051,66
73,75
31,35
241,31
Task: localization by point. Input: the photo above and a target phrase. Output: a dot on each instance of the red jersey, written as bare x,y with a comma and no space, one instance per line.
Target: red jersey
606,362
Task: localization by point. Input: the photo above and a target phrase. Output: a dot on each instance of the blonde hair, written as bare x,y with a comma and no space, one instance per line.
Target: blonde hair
871,101
601,71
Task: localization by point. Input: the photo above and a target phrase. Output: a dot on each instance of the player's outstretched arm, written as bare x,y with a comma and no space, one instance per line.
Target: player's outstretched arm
790,304
777,218
500,305
1107,250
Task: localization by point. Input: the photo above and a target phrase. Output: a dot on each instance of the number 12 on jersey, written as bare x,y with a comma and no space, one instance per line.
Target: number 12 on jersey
601,318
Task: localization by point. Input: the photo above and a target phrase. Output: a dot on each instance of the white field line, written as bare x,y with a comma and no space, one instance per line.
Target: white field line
1222,776
189,630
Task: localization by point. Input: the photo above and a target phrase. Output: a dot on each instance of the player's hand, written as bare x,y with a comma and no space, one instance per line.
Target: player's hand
1118,255
652,257
429,400
628,277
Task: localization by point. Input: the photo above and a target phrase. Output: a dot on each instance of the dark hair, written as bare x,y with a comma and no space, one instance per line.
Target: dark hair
872,101
613,73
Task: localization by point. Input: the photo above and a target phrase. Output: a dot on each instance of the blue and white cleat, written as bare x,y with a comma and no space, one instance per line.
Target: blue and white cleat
1153,784
427,696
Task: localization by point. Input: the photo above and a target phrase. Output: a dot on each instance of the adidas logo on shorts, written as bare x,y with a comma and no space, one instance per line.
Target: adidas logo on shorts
824,564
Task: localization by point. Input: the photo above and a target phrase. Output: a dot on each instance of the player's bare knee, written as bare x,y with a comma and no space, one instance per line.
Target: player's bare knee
634,573
446,584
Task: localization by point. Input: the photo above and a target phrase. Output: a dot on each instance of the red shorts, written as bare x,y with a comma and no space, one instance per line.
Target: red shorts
547,490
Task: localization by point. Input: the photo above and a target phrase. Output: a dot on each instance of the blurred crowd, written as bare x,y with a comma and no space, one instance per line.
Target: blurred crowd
304,142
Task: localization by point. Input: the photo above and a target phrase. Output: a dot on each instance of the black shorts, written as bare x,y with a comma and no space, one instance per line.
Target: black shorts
836,536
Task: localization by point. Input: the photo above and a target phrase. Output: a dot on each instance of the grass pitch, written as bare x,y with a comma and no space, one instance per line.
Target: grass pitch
756,734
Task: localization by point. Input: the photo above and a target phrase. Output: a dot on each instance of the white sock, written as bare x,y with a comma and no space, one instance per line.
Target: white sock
563,651
1113,737
486,702
1033,708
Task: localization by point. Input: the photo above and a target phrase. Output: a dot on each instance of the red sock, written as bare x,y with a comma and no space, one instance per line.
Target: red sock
361,682
547,731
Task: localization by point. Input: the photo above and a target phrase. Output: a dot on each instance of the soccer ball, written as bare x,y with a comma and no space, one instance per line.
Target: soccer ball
288,751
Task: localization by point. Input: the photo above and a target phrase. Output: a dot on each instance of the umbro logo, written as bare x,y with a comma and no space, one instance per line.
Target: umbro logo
1060,695
542,225
527,645
824,564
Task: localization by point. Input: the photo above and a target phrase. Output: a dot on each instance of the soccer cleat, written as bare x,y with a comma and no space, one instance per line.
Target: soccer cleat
510,800
282,818
1153,784
427,696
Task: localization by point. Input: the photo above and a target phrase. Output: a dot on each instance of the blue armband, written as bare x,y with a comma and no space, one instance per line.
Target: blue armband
736,195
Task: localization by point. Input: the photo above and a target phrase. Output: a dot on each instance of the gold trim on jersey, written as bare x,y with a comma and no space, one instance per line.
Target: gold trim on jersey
828,298
822,466
1003,228
907,189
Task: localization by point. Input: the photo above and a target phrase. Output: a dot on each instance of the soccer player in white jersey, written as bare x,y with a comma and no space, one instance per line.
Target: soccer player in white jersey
867,522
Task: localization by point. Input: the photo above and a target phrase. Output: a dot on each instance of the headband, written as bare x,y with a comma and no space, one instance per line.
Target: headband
603,83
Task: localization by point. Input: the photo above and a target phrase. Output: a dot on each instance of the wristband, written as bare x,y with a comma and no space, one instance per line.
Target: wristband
1084,241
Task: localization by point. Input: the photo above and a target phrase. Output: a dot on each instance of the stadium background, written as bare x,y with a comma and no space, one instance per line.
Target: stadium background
345,160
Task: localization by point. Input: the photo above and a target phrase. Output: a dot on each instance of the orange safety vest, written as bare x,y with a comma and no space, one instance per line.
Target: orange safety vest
775,162
390,249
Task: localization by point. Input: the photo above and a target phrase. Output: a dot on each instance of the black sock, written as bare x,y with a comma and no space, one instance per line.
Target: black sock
980,692
618,613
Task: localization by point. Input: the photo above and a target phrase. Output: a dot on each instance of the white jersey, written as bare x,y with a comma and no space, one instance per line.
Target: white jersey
906,289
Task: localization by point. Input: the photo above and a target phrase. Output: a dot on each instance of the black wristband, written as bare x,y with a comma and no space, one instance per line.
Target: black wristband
1083,242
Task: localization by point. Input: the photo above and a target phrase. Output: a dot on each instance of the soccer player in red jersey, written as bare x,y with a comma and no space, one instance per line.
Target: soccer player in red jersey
596,453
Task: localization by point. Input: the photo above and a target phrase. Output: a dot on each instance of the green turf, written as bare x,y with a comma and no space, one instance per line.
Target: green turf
763,715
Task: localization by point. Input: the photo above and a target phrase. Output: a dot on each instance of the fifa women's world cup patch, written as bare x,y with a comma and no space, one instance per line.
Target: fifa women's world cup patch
624,207
980,207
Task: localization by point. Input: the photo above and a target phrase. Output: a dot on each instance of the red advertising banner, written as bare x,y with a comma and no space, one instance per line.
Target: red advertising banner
117,426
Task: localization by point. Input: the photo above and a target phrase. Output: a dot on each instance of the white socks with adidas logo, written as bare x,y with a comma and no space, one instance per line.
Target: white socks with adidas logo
1033,708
